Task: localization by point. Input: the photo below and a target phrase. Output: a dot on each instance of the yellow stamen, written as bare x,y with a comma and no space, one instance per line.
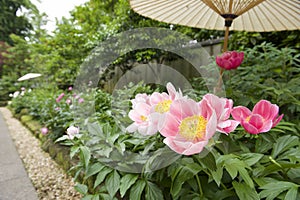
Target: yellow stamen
143,118
193,128
248,118
163,106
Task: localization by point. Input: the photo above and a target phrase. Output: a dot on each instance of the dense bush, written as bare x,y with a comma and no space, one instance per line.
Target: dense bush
268,73
237,166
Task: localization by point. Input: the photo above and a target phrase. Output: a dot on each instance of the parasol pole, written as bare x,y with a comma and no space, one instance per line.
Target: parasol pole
228,21
225,45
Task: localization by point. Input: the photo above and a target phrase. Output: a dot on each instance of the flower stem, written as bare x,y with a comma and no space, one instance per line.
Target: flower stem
199,185
282,169
218,87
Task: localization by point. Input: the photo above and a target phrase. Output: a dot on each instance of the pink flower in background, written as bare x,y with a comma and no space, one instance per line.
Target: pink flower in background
68,101
23,88
72,132
223,108
230,60
187,126
70,88
263,117
44,130
57,108
59,98
80,100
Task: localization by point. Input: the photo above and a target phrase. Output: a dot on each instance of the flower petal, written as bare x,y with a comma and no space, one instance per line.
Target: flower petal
227,126
266,127
168,126
263,108
195,148
257,121
182,108
132,128
240,113
211,126
249,128
156,97
184,147
276,121
171,90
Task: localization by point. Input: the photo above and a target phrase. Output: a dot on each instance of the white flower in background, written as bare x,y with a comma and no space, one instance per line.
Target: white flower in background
16,93
72,132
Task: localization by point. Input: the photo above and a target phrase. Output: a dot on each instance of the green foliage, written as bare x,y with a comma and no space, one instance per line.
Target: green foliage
267,73
241,40
238,166
12,22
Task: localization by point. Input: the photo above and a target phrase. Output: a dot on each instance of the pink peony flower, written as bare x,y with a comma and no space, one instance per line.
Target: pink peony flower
148,110
140,98
59,98
80,100
263,117
222,108
72,132
142,123
230,60
187,126
44,130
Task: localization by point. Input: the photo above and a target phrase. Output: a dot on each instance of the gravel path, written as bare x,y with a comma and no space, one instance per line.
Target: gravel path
50,181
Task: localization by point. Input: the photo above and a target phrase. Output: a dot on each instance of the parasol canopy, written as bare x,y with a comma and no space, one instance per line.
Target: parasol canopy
248,15
29,76
240,15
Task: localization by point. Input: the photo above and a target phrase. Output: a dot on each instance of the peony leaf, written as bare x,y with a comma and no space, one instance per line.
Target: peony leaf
186,172
153,192
101,176
112,183
251,158
235,165
244,191
93,169
85,156
126,182
95,129
284,143
82,189
292,193
158,159
217,175
273,189
137,190
208,161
